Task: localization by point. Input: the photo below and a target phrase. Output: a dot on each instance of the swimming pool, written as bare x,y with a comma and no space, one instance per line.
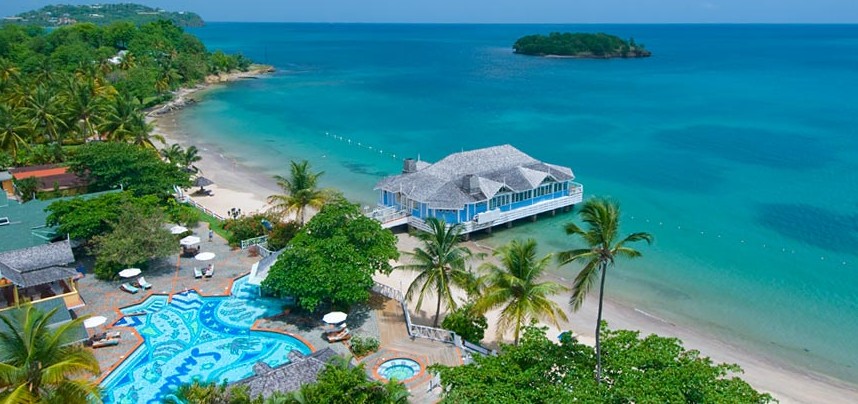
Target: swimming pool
401,369
196,337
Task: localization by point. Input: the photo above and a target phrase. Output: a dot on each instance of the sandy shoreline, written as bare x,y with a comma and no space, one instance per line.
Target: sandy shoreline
239,186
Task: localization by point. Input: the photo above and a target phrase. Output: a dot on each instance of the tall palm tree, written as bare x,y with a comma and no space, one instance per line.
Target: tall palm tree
301,190
84,105
441,264
602,217
41,107
13,131
117,122
39,363
515,286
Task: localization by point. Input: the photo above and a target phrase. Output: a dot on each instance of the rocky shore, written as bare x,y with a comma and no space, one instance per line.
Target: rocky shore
181,97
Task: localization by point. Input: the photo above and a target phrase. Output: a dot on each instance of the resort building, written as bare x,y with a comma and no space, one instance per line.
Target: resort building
39,274
51,177
478,189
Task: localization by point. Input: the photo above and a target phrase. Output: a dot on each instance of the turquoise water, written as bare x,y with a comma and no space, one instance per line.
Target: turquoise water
400,369
734,145
196,338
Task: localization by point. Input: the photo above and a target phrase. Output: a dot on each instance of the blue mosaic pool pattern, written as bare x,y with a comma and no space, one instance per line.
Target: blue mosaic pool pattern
196,337
400,369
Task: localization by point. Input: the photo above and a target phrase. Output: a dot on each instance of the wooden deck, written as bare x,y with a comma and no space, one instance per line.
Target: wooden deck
395,343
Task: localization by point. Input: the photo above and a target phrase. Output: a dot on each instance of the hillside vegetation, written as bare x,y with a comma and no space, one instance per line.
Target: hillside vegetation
103,14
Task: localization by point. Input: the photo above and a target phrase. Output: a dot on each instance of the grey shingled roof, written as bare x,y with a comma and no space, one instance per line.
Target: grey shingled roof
446,184
37,265
299,371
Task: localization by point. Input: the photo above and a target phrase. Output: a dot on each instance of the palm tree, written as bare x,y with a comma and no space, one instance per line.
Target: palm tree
602,217
13,131
39,363
117,122
190,156
301,191
41,109
515,286
441,264
84,105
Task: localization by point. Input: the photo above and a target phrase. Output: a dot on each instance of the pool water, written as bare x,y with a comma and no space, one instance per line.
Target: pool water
195,337
400,369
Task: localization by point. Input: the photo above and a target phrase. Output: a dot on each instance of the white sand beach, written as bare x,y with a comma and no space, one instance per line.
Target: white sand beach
237,186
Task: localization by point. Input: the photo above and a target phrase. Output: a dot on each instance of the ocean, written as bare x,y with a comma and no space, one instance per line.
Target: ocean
734,145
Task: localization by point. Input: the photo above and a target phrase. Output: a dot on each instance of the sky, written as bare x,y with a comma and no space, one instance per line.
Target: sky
498,11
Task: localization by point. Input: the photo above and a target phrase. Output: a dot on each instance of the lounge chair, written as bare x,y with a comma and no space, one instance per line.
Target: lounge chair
128,288
143,283
209,272
198,273
340,336
105,342
106,336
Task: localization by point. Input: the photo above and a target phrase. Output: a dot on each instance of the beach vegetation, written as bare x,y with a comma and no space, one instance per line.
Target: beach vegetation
582,45
84,218
441,265
182,158
342,383
78,83
602,247
137,236
362,346
198,392
183,214
26,188
330,262
137,169
40,362
301,190
514,286
649,369
467,323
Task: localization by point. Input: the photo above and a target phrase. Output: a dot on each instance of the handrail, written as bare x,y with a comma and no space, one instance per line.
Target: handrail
422,331
261,240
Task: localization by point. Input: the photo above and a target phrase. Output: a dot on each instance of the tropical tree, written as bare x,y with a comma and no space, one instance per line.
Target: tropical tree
84,105
440,263
301,190
40,363
515,286
603,247
41,108
13,131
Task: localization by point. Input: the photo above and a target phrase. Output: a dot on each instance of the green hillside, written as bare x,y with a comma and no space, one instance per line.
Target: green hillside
102,14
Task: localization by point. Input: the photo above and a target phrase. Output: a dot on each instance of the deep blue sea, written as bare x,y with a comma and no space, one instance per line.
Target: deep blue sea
735,145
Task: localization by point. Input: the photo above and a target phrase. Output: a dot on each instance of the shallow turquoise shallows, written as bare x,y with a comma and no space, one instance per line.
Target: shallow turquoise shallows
195,337
735,145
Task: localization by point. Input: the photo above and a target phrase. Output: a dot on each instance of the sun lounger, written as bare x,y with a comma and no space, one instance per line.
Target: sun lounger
106,336
341,336
143,283
198,273
209,272
105,342
128,288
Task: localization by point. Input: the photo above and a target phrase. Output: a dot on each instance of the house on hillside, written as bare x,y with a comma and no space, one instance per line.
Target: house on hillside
478,189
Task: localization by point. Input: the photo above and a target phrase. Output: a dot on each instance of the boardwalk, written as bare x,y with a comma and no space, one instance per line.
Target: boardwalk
395,343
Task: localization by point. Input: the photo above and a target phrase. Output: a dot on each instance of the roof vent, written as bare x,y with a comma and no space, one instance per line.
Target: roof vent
409,166
4,221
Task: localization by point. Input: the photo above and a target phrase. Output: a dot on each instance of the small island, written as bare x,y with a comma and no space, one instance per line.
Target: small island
102,14
579,45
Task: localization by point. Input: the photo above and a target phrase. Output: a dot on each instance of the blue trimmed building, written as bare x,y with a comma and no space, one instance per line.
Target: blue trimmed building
478,188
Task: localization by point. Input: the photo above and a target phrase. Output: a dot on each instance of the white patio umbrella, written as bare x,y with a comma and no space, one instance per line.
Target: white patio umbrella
205,256
189,241
93,322
178,229
334,317
129,272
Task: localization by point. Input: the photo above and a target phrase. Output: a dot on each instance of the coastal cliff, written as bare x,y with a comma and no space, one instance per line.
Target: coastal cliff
580,45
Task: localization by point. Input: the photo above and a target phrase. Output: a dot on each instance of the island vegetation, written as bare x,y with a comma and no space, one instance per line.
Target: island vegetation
580,45
102,14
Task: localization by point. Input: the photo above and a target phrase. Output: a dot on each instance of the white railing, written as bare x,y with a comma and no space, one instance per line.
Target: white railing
422,331
192,202
387,214
257,241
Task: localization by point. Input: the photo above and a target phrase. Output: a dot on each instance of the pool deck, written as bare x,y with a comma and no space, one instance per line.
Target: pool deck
380,318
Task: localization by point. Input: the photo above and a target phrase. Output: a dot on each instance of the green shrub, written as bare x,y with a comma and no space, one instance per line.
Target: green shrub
246,227
185,215
27,188
280,235
362,346
469,324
